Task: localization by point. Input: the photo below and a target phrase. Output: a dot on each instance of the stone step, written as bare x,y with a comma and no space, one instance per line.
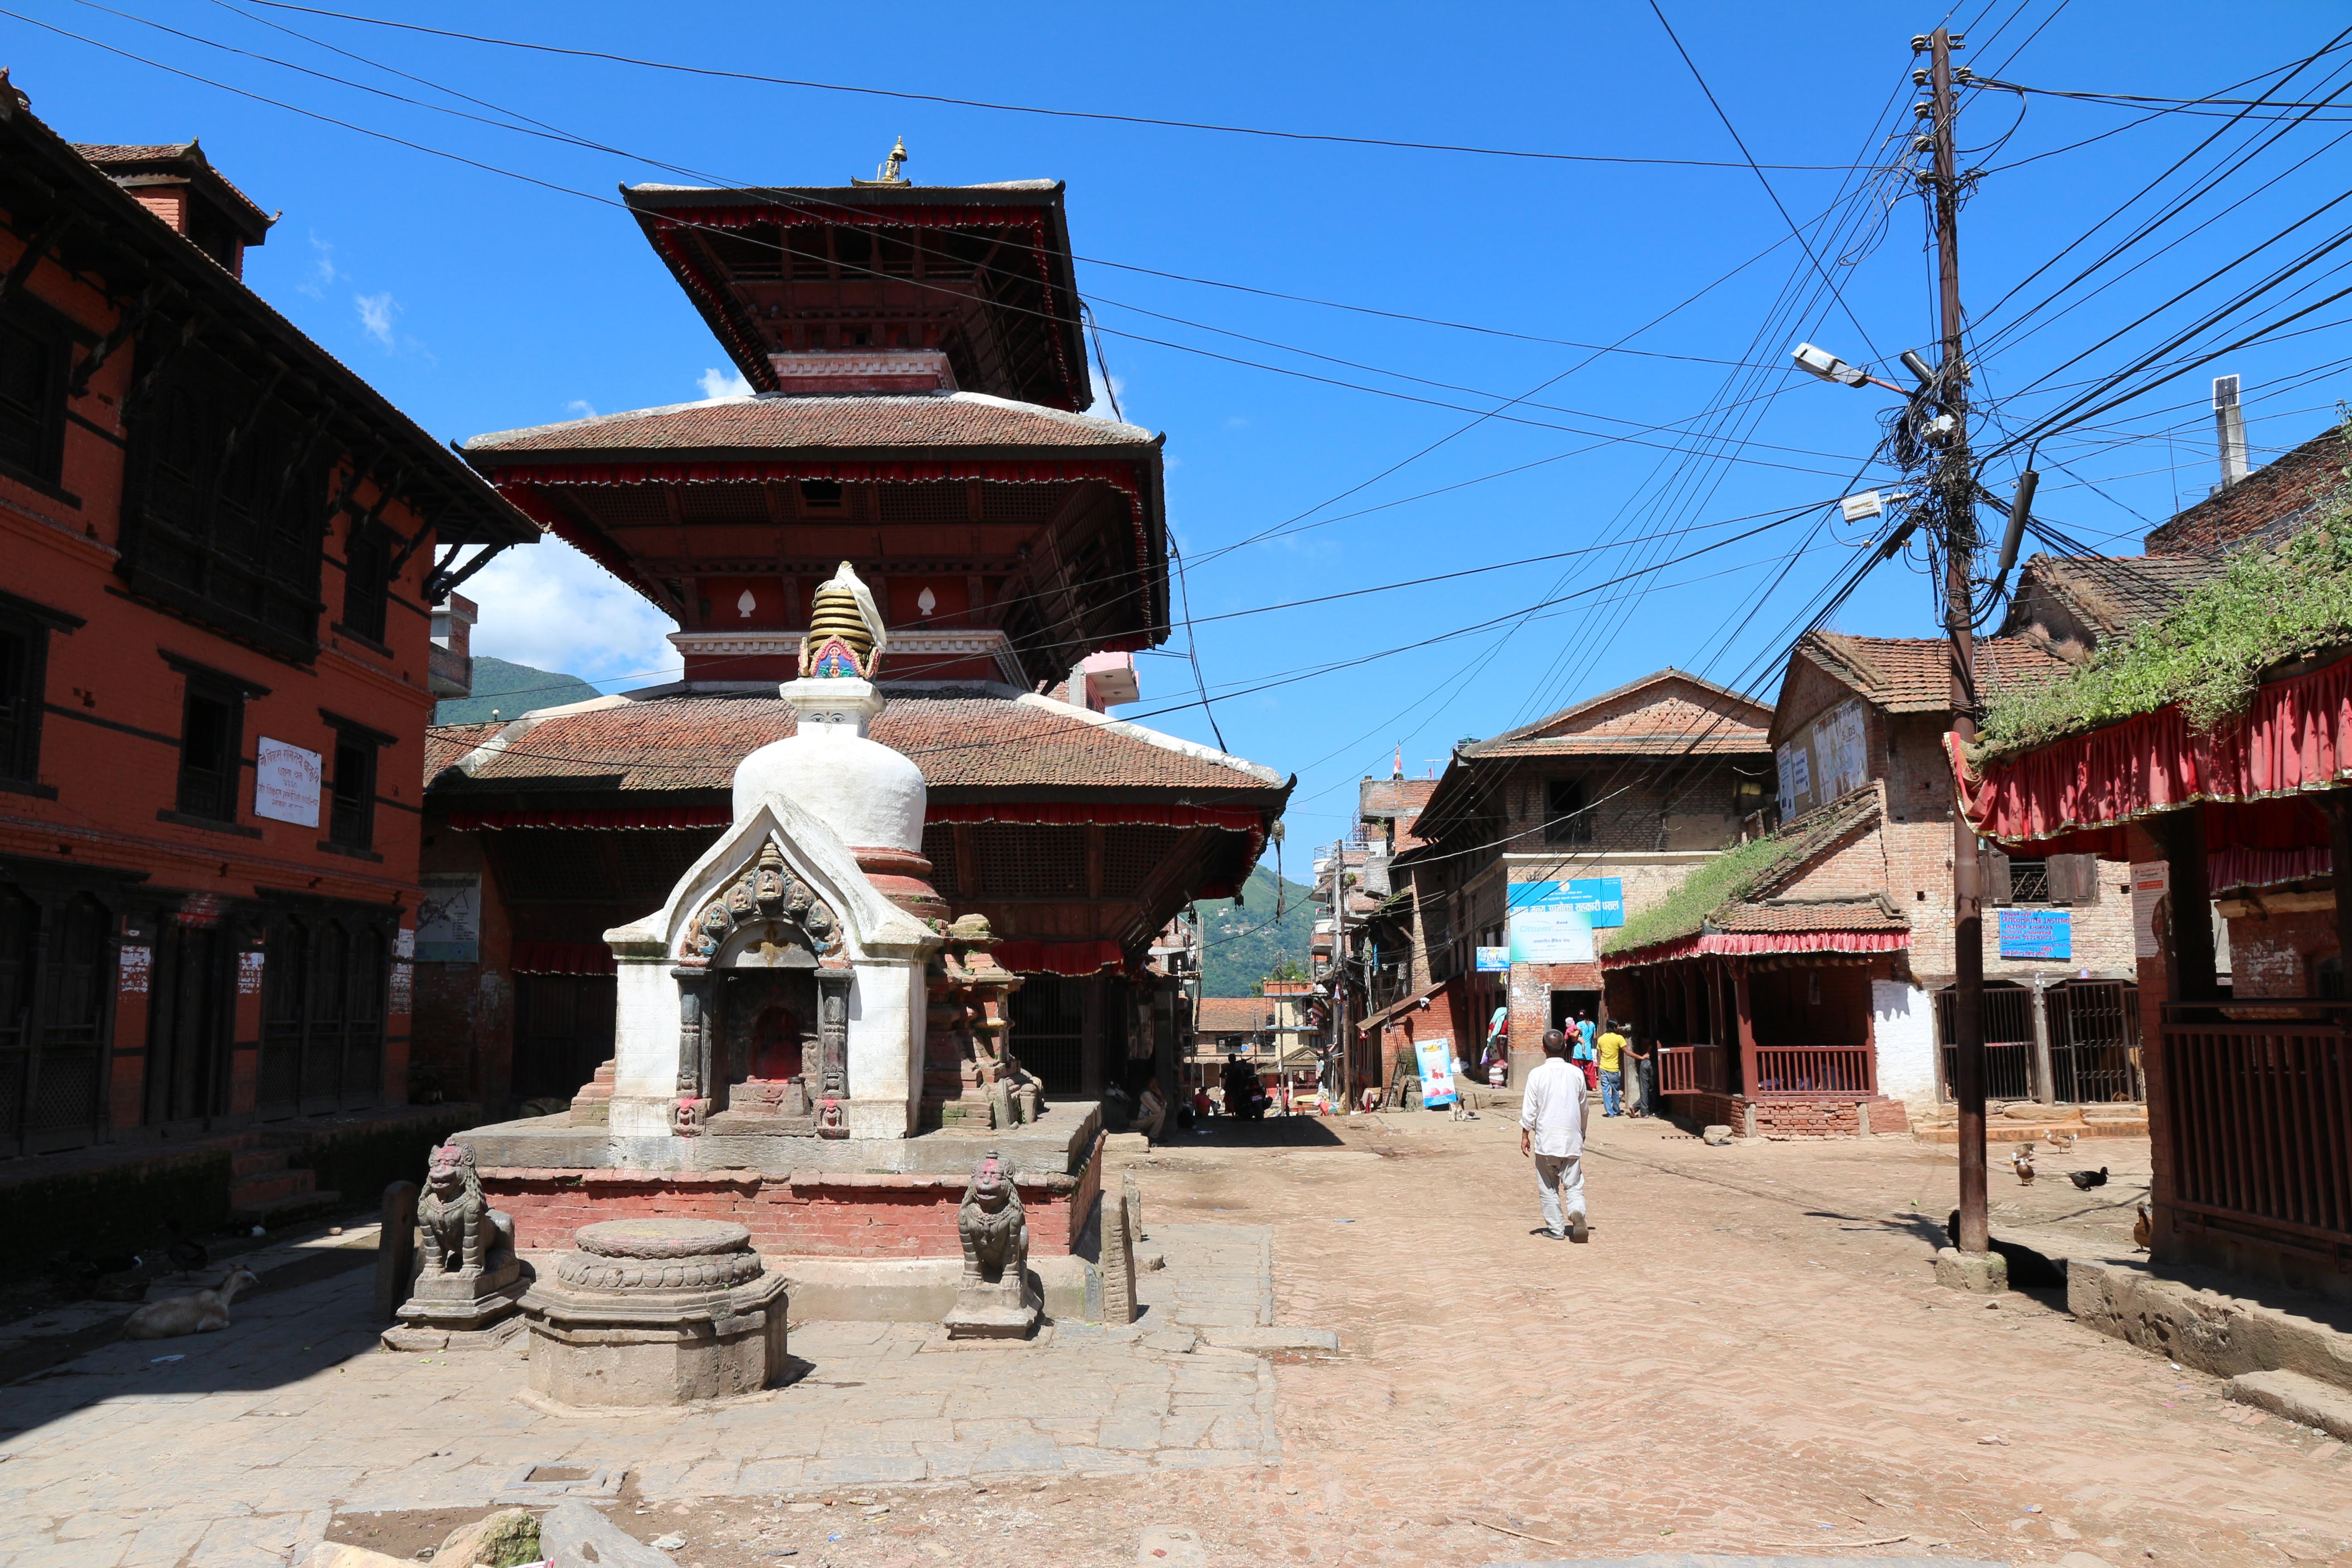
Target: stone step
255,1162
2298,1398
270,1187
277,1213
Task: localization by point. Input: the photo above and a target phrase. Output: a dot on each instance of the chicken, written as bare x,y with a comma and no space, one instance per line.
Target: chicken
2085,1180
2143,1229
2022,1163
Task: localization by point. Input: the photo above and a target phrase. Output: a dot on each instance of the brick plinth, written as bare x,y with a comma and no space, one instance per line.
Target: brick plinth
1787,1118
810,1213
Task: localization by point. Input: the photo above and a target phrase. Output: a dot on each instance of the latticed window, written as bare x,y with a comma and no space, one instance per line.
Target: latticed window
1131,855
939,849
1021,861
227,519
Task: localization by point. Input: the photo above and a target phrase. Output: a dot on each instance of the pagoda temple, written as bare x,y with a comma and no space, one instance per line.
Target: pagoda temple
921,414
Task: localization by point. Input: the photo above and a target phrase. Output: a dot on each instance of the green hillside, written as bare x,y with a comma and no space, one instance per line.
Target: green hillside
1239,945
512,689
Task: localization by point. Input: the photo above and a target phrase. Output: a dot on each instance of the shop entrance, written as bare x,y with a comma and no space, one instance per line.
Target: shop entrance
1566,1005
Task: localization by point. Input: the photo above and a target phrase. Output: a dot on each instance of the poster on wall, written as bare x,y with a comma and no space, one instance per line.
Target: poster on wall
131,970
1845,758
2149,883
2037,934
1493,961
284,783
403,989
1796,775
249,974
1553,922
1437,1061
449,918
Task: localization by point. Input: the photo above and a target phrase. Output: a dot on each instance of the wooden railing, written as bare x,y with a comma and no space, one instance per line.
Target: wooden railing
1814,1069
2261,1114
1691,1069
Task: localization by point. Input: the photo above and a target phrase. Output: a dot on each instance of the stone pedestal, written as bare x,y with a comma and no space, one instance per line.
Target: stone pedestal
649,1313
1005,1310
462,1308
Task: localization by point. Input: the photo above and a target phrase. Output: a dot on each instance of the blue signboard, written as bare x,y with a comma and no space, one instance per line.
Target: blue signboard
1493,961
2037,934
1553,922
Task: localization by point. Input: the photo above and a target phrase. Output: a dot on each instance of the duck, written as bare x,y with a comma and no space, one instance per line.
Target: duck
197,1312
2064,1142
2022,1163
2085,1180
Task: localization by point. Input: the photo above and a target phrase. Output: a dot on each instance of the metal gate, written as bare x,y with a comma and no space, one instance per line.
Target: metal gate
2009,1041
1049,1022
2094,1042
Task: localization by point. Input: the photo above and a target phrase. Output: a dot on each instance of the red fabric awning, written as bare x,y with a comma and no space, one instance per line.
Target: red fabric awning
1737,943
1044,812
1070,957
2254,775
562,958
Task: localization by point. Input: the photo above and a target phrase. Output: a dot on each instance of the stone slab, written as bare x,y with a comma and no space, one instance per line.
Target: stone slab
912,1289
1678,1560
1060,1144
2298,1398
2205,1329
574,1536
1267,1337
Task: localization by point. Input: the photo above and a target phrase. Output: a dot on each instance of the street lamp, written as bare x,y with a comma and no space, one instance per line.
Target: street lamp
1820,362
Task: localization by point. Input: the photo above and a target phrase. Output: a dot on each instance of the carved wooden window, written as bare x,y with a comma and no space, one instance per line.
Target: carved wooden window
23,662
351,815
55,1018
1131,855
34,355
1566,820
212,740
939,849
226,518
367,580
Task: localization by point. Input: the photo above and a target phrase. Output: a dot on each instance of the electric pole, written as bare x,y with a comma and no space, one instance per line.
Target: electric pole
1954,488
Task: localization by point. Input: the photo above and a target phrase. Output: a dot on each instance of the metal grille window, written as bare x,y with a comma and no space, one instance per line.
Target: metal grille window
1049,1030
212,724
56,993
351,817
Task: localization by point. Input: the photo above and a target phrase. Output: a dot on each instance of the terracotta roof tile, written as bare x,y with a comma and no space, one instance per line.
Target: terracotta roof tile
445,743
1913,675
2112,594
1842,914
1393,798
693,741
2268,504
1232,1015
1668,709
768,421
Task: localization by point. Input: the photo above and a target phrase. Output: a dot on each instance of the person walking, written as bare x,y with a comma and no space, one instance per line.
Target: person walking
1610,1051
1552,1117
1580,1052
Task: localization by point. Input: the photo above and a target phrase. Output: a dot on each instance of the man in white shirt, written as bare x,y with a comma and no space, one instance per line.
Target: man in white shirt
1552,1128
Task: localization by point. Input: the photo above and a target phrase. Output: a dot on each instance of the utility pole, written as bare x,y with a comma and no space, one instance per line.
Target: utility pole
1955,504
1334,1074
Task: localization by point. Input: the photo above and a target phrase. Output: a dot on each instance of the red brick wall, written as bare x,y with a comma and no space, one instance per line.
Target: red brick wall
2273,954
1786,1119
109,743
829,1215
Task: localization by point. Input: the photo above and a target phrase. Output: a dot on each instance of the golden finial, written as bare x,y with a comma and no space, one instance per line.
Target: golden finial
846,635
888,174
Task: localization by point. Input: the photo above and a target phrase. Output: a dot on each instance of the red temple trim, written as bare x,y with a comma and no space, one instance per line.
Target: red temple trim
1739,942
2254,775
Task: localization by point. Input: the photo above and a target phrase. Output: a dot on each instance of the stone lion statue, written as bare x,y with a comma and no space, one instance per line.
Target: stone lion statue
461,1231
994,1225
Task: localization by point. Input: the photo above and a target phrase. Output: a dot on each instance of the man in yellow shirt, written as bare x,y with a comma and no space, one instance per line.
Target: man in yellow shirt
1610,1050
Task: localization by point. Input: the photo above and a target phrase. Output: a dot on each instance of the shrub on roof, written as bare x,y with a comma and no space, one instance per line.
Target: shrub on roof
2207,653
1730,875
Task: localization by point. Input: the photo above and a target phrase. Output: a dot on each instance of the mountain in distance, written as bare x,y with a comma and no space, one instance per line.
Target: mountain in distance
513,689
1239,945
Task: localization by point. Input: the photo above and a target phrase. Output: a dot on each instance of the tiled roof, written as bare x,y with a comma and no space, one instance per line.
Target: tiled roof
693,741
1232,1015
105,153
1838,914
1719,720
123,159
2112,594
2266,505
445,743
1913,675
768,421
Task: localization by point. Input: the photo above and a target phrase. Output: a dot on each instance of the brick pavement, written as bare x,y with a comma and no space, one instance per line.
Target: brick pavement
1747,1358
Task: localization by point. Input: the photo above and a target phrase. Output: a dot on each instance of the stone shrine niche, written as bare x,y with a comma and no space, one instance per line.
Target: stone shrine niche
763,978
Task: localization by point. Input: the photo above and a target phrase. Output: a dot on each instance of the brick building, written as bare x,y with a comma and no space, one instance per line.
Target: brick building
1622,795
215,667
1855,711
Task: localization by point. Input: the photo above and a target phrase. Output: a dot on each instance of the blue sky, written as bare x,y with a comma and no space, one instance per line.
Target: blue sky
480,301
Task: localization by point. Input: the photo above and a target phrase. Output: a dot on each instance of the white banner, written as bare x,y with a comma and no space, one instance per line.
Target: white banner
284,783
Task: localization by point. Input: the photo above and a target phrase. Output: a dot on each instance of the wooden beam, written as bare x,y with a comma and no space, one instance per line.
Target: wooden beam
44,240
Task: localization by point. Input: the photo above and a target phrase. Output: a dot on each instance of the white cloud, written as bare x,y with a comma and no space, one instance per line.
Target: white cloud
324,273
376,313
716,384
549,606
584,408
